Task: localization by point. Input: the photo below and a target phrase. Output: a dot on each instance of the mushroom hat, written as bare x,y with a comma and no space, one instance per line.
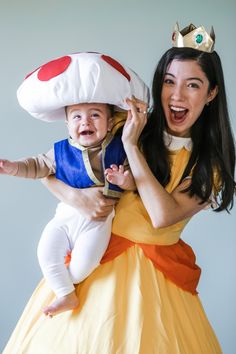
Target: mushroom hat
85,77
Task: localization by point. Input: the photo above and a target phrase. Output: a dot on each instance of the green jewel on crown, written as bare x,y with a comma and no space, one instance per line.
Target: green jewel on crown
199,38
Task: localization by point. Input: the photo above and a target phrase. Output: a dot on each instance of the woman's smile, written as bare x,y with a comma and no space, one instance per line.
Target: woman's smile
178,114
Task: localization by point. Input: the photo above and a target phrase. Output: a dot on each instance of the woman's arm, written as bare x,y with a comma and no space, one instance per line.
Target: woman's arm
90,202
163,208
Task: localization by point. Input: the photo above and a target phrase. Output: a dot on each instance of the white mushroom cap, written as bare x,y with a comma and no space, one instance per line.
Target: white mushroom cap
78,78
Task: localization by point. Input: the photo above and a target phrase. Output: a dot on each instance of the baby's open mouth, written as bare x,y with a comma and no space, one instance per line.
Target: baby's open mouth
86,132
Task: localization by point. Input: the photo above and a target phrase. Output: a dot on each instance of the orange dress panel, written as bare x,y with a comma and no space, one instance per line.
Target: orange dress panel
176,262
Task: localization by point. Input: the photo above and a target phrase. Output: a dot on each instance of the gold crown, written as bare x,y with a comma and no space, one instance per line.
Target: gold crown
192,37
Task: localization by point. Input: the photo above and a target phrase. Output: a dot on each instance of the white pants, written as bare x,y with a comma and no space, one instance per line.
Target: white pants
69,232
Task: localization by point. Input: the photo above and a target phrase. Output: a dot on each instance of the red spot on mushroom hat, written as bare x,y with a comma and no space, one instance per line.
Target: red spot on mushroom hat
78,78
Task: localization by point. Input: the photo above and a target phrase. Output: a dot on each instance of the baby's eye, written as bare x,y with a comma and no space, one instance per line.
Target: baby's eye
94,115
77,117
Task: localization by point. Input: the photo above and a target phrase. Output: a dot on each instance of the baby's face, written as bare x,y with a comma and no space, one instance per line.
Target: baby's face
88,123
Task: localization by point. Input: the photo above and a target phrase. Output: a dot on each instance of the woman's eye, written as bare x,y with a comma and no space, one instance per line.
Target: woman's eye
76,117
193,85
168,81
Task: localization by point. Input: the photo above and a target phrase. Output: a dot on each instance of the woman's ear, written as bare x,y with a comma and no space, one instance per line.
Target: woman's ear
212,94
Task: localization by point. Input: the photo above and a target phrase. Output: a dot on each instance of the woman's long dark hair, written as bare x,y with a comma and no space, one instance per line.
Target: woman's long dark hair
213,145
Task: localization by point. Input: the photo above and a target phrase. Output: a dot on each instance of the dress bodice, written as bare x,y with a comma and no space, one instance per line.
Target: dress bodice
132,220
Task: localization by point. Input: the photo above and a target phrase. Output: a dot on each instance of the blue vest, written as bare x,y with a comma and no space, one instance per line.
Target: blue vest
73,166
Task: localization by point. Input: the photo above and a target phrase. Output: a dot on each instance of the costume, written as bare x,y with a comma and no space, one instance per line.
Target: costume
80,174
141,299
45,93
79,78
69,232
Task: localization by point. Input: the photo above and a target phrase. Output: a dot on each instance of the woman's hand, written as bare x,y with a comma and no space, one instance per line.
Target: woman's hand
90,202
135,122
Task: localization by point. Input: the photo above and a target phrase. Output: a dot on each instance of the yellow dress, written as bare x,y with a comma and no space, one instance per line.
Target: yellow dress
127,305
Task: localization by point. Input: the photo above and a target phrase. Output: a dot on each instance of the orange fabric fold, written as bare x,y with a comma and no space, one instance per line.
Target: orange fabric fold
176,262
117,245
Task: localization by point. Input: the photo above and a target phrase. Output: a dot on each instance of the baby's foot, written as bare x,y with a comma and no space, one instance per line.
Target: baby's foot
65,303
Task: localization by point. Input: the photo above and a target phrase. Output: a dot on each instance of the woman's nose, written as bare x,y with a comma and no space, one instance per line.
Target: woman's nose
178,93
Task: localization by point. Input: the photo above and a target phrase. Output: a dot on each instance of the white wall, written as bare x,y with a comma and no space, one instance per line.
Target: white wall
136,32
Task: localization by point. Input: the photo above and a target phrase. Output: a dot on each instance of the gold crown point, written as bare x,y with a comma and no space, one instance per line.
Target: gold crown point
212,34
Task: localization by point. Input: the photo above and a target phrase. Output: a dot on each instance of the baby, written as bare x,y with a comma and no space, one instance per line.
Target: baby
91,156
70,160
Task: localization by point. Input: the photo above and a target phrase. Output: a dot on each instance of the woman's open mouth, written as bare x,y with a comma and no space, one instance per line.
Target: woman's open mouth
178,114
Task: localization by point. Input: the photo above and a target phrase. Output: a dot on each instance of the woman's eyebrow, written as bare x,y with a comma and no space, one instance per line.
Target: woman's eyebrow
169,74
188,78
195,78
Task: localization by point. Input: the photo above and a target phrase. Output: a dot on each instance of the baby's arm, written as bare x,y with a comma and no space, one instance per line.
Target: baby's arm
40,166
121,177
8,167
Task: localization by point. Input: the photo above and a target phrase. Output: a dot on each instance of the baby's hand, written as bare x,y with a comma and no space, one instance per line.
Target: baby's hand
120,177
8,167
115,175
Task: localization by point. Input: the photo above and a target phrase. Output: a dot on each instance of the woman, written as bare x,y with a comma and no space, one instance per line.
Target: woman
143,297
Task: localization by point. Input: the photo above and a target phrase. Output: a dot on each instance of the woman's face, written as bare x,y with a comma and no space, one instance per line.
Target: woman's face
185,92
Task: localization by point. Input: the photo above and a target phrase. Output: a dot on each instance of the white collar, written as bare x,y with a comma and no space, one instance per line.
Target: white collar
176,142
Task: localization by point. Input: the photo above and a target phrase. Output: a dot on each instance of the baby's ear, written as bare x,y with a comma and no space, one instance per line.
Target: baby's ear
110,123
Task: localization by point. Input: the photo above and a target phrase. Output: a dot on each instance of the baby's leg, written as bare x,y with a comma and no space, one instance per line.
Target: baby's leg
89,248
52,249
